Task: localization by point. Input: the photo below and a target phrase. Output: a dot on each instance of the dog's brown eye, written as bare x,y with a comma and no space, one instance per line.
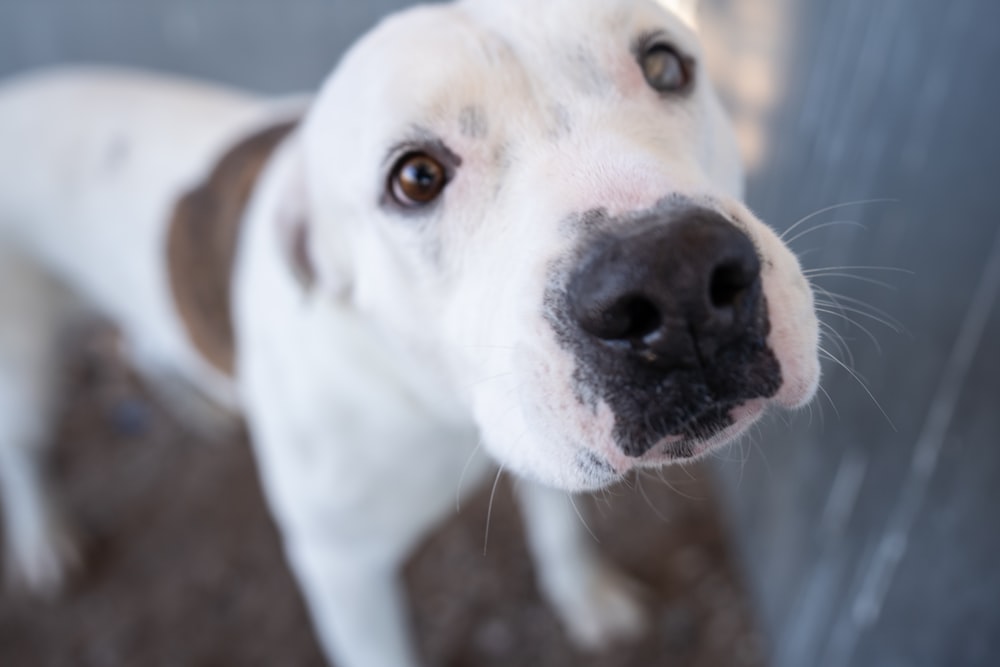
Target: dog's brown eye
417,180
666,70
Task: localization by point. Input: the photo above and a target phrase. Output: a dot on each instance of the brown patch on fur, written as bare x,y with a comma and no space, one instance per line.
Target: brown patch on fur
201,244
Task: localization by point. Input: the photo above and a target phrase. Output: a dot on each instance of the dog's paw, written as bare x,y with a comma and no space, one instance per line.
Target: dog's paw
604,610
39,562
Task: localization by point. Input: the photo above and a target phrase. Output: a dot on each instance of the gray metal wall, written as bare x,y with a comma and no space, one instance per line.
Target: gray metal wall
269,45
868,543
873,543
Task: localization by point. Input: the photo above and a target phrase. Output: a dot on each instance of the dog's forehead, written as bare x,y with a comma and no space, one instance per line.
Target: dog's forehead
503,83
539,23
424,61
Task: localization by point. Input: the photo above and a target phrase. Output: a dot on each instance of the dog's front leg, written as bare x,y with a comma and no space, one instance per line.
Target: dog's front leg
357,603
597,604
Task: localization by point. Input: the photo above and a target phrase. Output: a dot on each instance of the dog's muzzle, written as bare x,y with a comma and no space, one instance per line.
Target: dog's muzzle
668,322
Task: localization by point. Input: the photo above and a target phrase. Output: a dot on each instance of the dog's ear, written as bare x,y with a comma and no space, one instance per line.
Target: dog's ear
687,10
297,233
293,220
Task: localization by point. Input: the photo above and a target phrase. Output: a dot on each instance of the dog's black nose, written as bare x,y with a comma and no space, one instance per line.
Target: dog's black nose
670,294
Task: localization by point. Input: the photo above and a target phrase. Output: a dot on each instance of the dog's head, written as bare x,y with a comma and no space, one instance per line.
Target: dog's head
545,196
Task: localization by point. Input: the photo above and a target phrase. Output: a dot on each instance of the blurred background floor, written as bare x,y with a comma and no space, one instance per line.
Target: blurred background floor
184,564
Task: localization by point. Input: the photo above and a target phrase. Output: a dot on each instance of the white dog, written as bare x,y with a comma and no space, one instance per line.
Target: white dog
502,223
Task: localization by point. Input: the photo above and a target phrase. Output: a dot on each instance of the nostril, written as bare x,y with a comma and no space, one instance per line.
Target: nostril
729,281
643,318
630,317
658,286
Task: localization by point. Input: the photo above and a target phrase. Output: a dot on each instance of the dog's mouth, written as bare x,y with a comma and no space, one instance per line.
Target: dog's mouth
704,433
674,443
701,434
674,411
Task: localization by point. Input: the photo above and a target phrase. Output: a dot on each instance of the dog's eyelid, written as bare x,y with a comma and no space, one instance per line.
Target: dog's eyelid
647,39
422,143
657,43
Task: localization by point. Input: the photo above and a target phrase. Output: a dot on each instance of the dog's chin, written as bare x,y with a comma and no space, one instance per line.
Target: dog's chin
533,423
575,462
677,448
602,470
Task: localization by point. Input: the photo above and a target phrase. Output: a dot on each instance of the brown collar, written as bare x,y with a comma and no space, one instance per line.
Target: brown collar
201,244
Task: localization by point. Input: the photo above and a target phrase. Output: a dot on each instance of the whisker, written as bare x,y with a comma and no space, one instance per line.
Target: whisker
836,301
752,442
830,333
853,322
763,455
801,254
863,202
745,453
652,506
461,477
487,379
822,411
675,489
830,398
601,502
812,407
726,456
851,276
514,404
688,472
864,386
489,509
893,269
608,494
895,326
839,298
579,515
810,230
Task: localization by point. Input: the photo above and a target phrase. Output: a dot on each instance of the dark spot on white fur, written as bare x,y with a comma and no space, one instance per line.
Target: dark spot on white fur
302,265
595,468
472,122
589,75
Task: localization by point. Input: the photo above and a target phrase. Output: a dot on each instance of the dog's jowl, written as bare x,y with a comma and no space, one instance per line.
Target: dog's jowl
498,221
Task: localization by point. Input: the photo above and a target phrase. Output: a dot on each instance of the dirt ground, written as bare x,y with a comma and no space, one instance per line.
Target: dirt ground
184,566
